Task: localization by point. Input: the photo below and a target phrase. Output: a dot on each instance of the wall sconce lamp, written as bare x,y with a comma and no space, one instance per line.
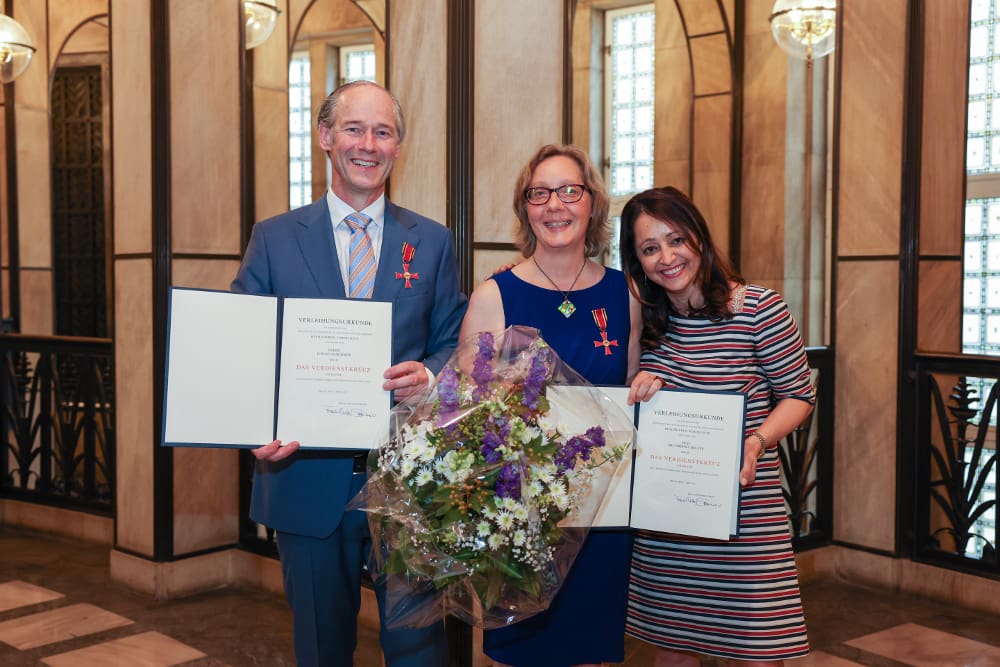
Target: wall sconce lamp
260,16
16,49
805,29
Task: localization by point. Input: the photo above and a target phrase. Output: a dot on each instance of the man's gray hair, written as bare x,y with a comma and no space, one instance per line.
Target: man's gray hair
328,110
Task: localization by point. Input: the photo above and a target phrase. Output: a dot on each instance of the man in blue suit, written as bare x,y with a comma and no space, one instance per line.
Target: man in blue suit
320,251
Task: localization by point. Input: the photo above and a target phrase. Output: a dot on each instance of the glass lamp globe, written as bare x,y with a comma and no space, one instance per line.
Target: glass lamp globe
261,15
16,49
805,29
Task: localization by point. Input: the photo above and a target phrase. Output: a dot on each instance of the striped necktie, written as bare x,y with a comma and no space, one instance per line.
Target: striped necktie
362,262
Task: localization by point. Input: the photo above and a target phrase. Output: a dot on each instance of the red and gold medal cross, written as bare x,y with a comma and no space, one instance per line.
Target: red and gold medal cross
408,252
601,320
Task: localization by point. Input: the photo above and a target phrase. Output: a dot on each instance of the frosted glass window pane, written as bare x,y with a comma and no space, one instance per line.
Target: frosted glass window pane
644,119
993,256
623,150
644,89
972,293
995,114
979,42
973,219
995,150
644,29
970,330
977,116
644,59
623,32
643,149
624,92
980,10
993,215
973,257
295,123
993,329
996,77
643,178
975,153
993,292
977,79
623,120
623,180
623,63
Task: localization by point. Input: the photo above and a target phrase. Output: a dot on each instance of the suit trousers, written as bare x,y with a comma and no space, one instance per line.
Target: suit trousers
322,578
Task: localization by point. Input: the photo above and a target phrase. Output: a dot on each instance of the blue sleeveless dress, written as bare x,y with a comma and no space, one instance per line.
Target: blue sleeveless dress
586,620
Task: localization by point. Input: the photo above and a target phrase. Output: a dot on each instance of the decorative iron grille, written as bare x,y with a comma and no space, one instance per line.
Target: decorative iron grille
57,422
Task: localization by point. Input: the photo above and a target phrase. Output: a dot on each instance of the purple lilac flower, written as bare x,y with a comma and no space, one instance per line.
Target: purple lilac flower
579,446
537,375
509,483
491,441
482,373
495,434
447,386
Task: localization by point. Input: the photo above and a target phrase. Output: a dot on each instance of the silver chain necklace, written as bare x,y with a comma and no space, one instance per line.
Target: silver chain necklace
566,307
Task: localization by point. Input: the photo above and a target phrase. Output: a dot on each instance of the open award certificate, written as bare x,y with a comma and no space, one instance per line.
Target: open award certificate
687,463
682,475
243,370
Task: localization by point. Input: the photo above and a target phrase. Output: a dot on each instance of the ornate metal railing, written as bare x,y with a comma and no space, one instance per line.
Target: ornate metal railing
57,421
956,462
806,457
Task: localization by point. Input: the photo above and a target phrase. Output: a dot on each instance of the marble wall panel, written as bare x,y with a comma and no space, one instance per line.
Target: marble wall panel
204,127
588,79
132,141
75,525
34,193
417,78
711,194
873,76
942,177
36,301
134,409
673,106
270,131
65,17
762,222
673,172
701,17
764,95
670,27
712,69
488,261
4,247
91,37
939,308
32,87
712,134
204,273
206,499
270,59
865,403
755,16
513,118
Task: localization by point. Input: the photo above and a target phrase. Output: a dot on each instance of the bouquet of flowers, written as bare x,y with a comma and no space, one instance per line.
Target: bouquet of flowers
481,498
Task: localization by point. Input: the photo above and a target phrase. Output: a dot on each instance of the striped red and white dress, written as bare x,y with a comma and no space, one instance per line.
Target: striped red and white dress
737,599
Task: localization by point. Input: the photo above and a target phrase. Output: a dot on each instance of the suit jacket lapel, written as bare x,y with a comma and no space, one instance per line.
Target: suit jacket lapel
320,251
397,231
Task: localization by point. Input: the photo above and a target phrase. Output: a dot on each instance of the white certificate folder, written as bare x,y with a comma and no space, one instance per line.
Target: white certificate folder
684,472
243,370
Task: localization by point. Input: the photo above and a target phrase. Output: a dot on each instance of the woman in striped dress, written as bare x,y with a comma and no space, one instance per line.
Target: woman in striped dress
705,328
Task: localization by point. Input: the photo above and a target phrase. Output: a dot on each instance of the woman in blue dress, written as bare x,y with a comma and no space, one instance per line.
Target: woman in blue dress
586,313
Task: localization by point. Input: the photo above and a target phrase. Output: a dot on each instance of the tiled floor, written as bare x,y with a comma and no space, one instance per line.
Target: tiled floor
58,608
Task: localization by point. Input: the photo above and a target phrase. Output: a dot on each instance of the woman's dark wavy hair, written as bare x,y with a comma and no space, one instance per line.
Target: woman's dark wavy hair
714,274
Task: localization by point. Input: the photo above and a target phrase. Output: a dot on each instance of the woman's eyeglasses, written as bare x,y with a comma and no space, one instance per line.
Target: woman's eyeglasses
569,193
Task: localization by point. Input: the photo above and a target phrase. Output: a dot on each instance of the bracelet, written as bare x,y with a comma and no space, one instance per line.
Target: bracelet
763,443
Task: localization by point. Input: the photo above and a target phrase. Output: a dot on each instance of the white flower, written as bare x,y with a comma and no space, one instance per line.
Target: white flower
495,541
519,538
505,520
406,467
483,528
425,476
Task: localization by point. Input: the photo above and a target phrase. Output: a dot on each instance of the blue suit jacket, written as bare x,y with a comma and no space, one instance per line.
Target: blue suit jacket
294,254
